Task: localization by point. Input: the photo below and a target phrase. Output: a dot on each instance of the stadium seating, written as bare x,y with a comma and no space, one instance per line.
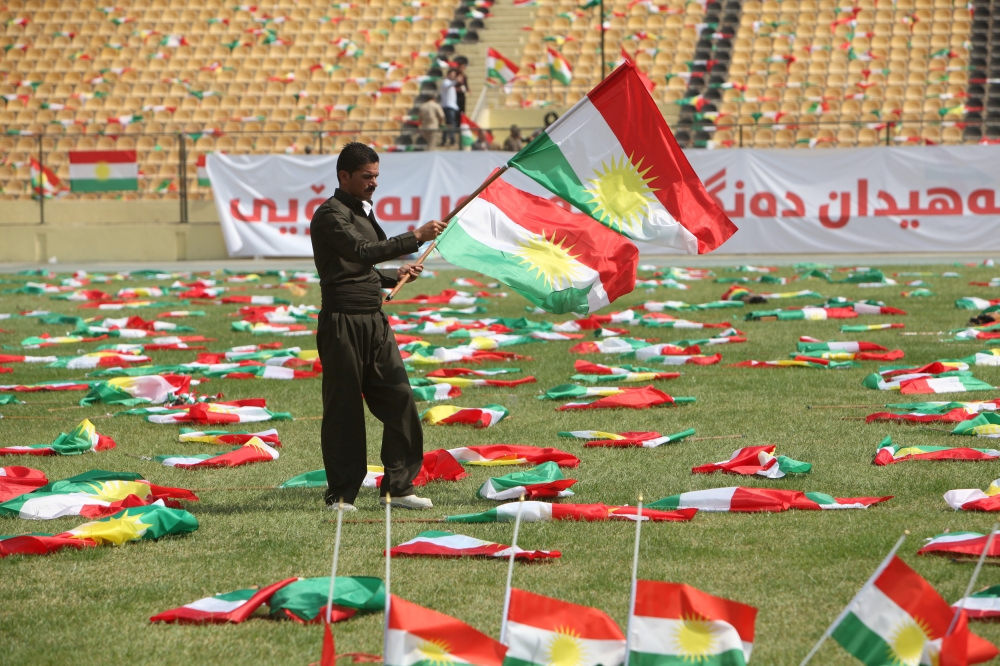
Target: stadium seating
307,75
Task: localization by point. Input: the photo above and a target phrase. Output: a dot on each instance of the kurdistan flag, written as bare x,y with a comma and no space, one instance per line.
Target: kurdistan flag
558,260
132,391
469,132
449,544
559,68
613,157
545,480
675,624
253,451
230,607
82,439
499,69
103,170
418,636
483,417
900,619
542,631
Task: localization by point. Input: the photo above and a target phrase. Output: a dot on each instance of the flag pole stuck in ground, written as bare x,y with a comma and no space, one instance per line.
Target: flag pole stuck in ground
868,583
510,570
329,656
454,211
635,579
972,581
388,561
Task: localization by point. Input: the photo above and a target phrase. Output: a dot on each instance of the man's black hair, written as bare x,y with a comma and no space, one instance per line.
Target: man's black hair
354,156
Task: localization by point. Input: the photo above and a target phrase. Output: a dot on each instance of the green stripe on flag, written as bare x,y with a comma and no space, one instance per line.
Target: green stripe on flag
458,247
109,185
730,658
867,646
543,161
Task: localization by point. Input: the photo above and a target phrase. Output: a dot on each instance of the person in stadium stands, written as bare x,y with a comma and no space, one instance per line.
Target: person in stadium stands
481,143
357,348
462,84
513,143
431,116
449,100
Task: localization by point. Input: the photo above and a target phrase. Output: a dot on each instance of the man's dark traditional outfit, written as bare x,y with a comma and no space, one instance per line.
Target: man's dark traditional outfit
361,361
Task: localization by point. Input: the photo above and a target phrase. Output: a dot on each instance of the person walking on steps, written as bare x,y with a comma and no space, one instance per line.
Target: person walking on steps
361,362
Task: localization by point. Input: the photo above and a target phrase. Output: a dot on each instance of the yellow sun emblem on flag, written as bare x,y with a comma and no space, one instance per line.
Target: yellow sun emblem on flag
694,638
112,530
551,260
102,171
907,641
112,491
436,651
565,648
621,193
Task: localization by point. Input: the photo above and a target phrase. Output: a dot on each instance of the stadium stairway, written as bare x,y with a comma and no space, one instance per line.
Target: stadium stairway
983,102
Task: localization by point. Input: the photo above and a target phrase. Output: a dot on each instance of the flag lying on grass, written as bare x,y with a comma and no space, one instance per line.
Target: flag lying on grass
82,439
211,413
91,494
964,544
560,261
624,345
864,328
466,372
16,480
434,392
799,362
231,438
540,628
894,355
228,608
986,424
254,451
808,344
981,605
756,460
678,624
954,412
901,619
544,481
544,512
132,524
512,454
261,372
464,382
646,440
438,465
449,544
416,635
484,417
304,601
595,372
639,398
739,499
933,378
613,157
889,453
53,385
132,391
970,499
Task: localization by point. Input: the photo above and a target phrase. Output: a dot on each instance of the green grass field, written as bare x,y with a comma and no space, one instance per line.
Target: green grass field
799,568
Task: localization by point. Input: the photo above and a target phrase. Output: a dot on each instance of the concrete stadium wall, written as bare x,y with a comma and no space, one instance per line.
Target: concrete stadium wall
109,231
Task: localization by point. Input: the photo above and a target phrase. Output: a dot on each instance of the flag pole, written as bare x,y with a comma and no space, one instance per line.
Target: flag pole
843,613
972,581
635,580
454,211
388,560
336,553
510,570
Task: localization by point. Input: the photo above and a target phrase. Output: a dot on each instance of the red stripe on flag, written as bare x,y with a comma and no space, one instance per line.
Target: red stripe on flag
613,256
551,614
676,601
637,123
95,156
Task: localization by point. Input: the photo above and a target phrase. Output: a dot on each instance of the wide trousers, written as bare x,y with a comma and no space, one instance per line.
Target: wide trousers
361,364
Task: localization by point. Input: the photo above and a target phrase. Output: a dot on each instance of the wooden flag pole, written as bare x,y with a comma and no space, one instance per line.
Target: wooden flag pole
454,212
510,571
843,613
972,581
388,560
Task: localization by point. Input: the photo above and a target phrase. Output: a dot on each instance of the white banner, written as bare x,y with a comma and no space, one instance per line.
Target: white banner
919,199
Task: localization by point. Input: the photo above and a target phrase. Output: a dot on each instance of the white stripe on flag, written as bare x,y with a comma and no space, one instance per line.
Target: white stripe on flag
115,171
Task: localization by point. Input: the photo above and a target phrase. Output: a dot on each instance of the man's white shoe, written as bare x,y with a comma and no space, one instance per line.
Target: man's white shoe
346,507
409,502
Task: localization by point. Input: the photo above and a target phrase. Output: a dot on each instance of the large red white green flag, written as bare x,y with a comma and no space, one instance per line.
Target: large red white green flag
558,260
675,624
103,170
542,631
614,158
900,619
418,636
